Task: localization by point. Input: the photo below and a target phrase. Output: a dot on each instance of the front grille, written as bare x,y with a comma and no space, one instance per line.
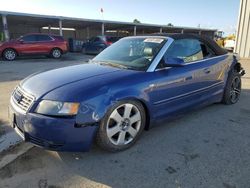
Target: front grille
22,99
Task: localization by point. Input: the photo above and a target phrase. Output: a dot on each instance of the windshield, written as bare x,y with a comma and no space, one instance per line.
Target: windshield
131,53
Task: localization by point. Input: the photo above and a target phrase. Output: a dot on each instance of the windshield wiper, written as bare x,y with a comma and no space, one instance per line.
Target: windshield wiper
113,65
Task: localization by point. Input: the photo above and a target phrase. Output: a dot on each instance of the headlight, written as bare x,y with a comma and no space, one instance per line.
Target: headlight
56,108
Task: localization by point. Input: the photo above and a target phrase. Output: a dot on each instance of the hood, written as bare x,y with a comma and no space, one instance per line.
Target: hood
42,83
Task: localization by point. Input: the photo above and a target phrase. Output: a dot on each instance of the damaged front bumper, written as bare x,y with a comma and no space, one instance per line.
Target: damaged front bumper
59,134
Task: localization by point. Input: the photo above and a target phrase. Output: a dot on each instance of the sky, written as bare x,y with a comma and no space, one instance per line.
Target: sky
215,14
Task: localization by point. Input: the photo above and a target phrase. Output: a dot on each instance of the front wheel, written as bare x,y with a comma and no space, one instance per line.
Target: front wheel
232,90
56,53
121,126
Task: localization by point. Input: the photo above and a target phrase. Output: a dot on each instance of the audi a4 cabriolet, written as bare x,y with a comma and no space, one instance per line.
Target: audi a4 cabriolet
133,84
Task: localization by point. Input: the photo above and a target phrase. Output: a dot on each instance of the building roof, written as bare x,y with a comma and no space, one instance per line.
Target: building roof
40,20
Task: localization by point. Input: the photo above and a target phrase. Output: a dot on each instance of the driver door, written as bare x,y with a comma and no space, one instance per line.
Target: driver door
181,88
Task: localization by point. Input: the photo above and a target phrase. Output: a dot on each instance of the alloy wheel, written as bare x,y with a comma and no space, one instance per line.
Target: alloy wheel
56,53
235,90
123,124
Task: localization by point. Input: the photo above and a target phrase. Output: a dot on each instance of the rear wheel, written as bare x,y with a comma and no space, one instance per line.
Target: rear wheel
9,54
121,126
56,53
233,88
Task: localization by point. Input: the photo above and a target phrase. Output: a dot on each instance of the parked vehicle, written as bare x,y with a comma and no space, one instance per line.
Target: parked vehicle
226,42
34,44
130,86
97,44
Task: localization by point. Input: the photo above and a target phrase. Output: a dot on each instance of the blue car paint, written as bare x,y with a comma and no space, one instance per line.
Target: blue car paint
54,133
190,85
37,84
164,93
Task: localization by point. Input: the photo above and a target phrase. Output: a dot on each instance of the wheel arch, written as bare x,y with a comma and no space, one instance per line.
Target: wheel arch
56,48
237,67
93,112
147,113
145,106
11,49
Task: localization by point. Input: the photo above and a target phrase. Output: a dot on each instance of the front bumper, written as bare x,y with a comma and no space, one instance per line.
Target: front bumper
59,134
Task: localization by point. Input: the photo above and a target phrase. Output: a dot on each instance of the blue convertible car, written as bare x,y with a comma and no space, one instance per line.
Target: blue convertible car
130,86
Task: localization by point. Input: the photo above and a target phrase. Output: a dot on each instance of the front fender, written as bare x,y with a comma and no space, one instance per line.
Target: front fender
97,95
93,110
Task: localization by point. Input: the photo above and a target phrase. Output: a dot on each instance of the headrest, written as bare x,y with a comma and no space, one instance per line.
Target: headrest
177,50
148,51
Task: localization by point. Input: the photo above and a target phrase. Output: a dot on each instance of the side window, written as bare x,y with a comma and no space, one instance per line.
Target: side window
43,38
58,37
207,52
187,49
29,38
97,39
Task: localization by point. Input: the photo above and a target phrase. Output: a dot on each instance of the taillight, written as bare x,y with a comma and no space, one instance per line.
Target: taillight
108,43
67,44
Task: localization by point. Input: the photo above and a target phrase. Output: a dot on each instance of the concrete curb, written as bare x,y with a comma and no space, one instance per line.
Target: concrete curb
7,156
9,139
11,147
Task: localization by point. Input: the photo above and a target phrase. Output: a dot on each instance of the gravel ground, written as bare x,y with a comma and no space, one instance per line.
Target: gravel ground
206,148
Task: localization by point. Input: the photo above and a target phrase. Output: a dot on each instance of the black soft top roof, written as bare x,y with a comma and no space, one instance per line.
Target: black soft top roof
208,41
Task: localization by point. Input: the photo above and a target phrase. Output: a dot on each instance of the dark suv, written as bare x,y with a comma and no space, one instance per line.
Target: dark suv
34,44
97,44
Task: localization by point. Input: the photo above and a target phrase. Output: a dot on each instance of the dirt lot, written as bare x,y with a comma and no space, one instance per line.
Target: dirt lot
206,148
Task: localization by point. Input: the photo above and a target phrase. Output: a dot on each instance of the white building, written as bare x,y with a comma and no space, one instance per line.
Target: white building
243,30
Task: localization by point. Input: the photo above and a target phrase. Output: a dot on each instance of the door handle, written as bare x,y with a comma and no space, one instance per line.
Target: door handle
189,78
207,70
152,86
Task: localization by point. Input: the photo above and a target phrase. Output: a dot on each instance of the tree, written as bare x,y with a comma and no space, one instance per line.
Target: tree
136,21
170,25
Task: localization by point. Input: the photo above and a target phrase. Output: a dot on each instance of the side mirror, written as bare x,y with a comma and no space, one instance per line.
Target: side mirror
174,62
21,41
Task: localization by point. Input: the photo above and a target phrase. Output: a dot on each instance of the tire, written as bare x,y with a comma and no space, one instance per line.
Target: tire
84,50
232,89
56,53
9,54
121,126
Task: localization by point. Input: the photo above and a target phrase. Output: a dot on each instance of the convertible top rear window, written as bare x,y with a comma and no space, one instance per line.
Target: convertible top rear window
206,40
